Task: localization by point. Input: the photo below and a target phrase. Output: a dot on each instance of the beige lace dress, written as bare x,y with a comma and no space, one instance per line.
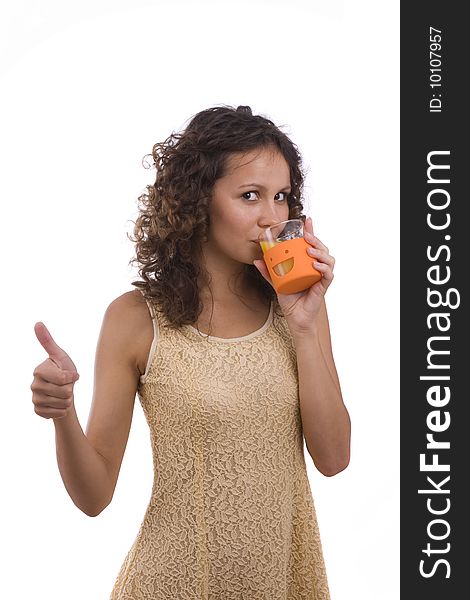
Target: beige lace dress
231,515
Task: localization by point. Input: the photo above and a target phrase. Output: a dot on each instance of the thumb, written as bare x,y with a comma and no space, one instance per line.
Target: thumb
262,268
55,352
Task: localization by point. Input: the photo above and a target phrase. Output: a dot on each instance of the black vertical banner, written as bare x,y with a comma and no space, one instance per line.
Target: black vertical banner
435,268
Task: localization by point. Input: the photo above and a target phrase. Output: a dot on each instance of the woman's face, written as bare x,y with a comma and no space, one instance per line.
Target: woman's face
251,196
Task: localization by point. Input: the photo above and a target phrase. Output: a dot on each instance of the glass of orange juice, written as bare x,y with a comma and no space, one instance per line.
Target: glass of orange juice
285,254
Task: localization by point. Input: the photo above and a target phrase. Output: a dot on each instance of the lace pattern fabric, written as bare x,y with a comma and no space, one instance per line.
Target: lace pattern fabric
231,514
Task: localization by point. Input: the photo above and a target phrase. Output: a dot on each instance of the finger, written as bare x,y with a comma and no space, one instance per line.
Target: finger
321,256
50,413
51,373
308,225
326,271
55,352
51,390
51,402
314,241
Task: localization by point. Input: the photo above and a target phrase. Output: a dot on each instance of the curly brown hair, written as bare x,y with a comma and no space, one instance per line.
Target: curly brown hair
173,216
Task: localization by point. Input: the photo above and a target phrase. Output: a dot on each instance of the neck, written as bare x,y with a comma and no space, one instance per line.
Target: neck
227,280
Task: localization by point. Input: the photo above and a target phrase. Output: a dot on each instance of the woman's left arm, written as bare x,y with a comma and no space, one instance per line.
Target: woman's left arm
325,421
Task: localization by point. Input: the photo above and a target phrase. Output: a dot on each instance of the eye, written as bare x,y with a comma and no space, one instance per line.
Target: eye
245,194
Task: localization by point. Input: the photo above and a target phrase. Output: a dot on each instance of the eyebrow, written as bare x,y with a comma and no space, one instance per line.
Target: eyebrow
286,187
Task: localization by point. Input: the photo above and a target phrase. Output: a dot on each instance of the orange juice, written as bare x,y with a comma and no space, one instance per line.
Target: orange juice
285,256
265,245
282,268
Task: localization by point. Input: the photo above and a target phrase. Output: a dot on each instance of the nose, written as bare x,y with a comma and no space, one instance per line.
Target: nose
270,214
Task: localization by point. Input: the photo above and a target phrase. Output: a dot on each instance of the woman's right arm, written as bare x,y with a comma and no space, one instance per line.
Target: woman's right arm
89,463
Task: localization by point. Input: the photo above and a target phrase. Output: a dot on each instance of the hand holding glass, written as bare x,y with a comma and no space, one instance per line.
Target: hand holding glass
285,255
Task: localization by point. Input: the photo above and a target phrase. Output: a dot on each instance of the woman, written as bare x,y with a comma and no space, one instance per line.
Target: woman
231,377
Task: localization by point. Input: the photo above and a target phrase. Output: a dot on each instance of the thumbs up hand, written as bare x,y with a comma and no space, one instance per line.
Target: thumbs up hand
54,379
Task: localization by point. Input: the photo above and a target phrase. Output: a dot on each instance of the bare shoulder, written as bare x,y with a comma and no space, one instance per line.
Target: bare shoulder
132,300
131,313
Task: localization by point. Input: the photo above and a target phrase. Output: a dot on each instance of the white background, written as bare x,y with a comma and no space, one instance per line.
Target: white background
86,89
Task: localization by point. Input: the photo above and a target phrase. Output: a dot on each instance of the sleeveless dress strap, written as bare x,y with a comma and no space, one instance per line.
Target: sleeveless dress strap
156,335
